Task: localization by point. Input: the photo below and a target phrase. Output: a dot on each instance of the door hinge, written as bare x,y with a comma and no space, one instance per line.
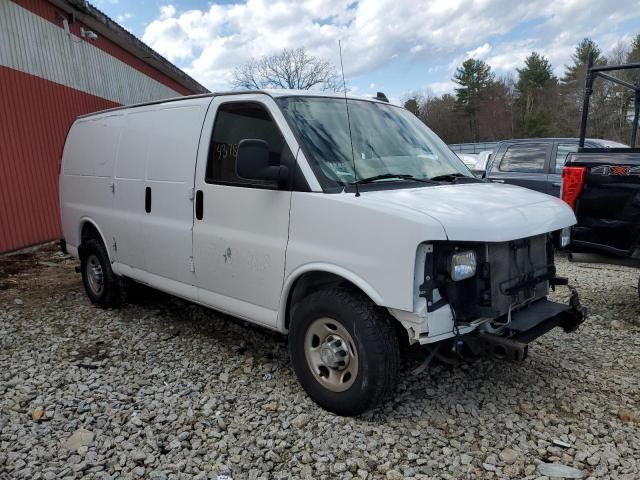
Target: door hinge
114,244
112,187
192,267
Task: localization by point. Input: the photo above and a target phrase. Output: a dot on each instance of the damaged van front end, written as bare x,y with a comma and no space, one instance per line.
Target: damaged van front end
488,297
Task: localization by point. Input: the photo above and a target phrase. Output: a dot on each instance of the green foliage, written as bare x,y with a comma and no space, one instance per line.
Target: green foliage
535,74
634,57
535,87
580,58
474,77
534,103
634,52
537,124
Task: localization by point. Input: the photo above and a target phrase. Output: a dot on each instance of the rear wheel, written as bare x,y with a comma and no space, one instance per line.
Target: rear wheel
344,351
101,284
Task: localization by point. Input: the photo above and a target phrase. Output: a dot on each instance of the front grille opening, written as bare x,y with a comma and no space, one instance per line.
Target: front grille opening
508,275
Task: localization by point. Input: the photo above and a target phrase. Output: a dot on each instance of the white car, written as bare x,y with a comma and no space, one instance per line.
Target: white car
262,206
468,159
482,159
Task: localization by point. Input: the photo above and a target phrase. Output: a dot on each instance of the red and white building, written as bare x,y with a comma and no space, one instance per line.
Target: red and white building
60,59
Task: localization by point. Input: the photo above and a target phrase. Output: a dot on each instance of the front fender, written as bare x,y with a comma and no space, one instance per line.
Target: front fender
341,272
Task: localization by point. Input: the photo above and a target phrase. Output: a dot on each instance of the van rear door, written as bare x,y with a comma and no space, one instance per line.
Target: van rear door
87,176
241,226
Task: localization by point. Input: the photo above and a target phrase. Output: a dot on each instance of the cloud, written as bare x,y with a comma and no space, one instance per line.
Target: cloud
481,52
167,11
377,34
124,17
440,88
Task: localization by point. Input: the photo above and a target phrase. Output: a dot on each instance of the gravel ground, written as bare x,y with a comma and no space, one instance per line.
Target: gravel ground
165,389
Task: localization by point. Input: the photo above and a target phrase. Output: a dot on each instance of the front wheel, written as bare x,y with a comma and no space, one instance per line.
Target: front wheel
344,351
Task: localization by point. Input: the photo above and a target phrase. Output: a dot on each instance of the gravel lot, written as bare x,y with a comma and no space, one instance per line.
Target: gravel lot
165,389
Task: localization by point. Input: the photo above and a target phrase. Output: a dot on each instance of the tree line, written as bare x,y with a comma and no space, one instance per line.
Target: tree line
533,102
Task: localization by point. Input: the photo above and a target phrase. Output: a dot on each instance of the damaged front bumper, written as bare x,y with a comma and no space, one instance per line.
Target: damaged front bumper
505,338
510,341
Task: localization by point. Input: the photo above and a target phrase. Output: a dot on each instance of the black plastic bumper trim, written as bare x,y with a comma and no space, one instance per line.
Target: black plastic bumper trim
535,314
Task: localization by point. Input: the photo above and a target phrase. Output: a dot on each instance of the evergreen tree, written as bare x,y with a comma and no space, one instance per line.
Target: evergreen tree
536,73
634,57
580,58
536,90
474,78
572,90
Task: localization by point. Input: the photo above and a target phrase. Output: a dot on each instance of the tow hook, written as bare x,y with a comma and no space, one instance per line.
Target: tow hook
574,317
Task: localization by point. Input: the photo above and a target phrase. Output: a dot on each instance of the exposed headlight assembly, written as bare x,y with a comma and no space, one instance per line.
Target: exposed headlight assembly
462,265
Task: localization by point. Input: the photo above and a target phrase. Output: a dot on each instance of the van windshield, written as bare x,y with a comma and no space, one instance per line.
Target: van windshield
389,143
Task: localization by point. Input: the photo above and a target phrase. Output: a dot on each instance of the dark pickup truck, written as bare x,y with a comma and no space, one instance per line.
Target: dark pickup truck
603,185
603,188
536,163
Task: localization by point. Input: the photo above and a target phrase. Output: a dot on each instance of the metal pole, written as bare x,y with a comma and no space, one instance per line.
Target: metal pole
588,90
634,127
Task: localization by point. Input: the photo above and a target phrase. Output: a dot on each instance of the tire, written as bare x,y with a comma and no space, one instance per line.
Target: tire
362,331
100,283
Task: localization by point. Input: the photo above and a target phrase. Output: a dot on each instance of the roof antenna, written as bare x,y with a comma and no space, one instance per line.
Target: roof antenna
346,102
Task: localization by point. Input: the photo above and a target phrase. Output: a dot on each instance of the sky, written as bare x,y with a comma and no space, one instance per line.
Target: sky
399,47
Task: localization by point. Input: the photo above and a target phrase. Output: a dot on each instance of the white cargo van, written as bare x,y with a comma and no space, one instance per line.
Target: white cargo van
263,206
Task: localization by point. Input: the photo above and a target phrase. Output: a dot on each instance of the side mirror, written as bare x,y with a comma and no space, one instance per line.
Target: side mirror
252,162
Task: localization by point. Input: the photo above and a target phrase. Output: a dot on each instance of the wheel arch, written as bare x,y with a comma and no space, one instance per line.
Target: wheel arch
87,230
312,277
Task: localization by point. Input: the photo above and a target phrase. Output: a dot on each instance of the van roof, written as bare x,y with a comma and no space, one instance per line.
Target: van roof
274,93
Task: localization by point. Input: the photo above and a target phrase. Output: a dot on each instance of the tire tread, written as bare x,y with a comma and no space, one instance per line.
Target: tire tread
376,330
112,294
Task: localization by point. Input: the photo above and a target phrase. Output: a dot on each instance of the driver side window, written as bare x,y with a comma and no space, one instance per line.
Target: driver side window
236,121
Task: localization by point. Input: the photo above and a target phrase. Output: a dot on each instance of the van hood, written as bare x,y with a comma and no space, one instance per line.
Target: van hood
480,211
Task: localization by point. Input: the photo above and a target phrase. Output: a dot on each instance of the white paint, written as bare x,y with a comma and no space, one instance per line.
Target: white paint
507,211
33,45
252,243
239,246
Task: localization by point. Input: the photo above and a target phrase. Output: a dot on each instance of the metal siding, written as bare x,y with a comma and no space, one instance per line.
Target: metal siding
34,120
37,46
47,79
52,14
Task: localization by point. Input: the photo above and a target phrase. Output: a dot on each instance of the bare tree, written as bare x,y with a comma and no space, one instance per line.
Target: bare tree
288,69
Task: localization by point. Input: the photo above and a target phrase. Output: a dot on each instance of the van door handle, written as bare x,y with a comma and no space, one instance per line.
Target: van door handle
556,184
147,200
199,204
497,181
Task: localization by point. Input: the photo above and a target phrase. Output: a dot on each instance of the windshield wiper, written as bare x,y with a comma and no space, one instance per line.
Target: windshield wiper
447,176
453,178
385,176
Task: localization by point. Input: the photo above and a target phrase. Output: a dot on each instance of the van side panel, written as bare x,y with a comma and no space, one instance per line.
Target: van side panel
153,190
85,180
129,181
173,146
